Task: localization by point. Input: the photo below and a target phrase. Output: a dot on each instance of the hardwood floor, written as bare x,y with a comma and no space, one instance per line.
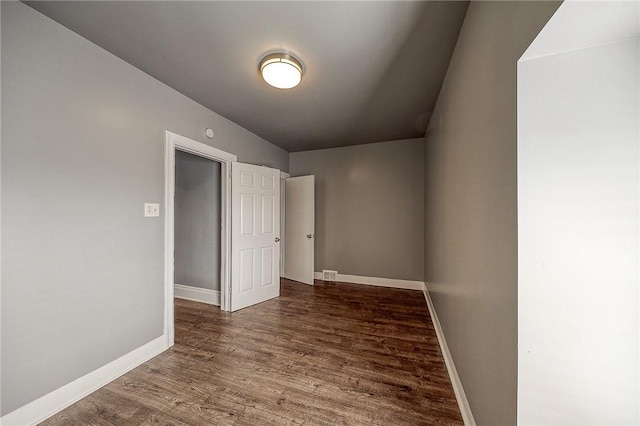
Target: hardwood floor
327,354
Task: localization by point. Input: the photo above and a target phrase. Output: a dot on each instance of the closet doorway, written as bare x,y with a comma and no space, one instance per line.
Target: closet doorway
197,228
187,231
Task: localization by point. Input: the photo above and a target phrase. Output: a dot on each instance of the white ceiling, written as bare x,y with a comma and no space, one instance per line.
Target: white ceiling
373,69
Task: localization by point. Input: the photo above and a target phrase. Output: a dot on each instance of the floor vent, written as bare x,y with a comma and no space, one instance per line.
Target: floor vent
329,275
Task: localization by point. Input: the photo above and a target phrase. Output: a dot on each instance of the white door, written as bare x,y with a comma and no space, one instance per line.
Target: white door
300,220
255,234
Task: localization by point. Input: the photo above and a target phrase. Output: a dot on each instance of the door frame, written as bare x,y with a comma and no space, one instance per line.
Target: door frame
176,142
283,200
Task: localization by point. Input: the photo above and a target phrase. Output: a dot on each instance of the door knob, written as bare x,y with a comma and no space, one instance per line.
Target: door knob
309,236
277,239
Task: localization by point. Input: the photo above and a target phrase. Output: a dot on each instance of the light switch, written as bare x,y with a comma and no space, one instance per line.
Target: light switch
151,210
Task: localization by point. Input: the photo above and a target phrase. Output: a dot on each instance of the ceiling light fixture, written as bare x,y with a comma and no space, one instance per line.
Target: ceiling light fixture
281,70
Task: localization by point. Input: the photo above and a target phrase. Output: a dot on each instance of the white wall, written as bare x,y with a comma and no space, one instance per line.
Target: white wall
578,227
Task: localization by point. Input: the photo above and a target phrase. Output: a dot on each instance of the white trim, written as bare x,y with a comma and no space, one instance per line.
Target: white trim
199,149
461,397
56,401
283,195
176,142
203,295
169,191
380,282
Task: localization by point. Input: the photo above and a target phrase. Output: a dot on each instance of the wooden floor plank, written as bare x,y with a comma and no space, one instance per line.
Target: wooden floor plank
329,354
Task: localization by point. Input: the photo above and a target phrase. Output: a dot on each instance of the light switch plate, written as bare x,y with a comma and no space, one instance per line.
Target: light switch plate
151,210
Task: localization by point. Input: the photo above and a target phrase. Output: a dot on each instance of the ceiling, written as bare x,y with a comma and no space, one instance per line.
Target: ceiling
373,69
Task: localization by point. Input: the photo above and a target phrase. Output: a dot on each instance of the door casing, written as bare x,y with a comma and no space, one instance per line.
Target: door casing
283,177
176,142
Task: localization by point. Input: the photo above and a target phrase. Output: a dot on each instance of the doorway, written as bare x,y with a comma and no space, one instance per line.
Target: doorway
176,143
300,221
197,229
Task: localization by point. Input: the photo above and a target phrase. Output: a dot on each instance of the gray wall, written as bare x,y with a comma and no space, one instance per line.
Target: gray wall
197,221
82,150
369,208
471,206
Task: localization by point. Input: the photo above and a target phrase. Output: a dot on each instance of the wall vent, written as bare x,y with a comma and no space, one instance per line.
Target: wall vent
328,275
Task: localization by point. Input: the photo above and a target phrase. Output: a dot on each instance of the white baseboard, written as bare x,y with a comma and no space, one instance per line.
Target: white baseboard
197,294
56,401
380,282
461,397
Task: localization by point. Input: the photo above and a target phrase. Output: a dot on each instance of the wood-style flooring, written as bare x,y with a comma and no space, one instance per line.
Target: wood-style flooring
329,354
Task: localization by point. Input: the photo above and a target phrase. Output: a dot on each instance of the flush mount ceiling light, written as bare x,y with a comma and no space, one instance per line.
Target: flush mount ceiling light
281,70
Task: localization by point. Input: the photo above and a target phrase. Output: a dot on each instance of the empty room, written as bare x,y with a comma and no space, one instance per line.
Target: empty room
320,212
